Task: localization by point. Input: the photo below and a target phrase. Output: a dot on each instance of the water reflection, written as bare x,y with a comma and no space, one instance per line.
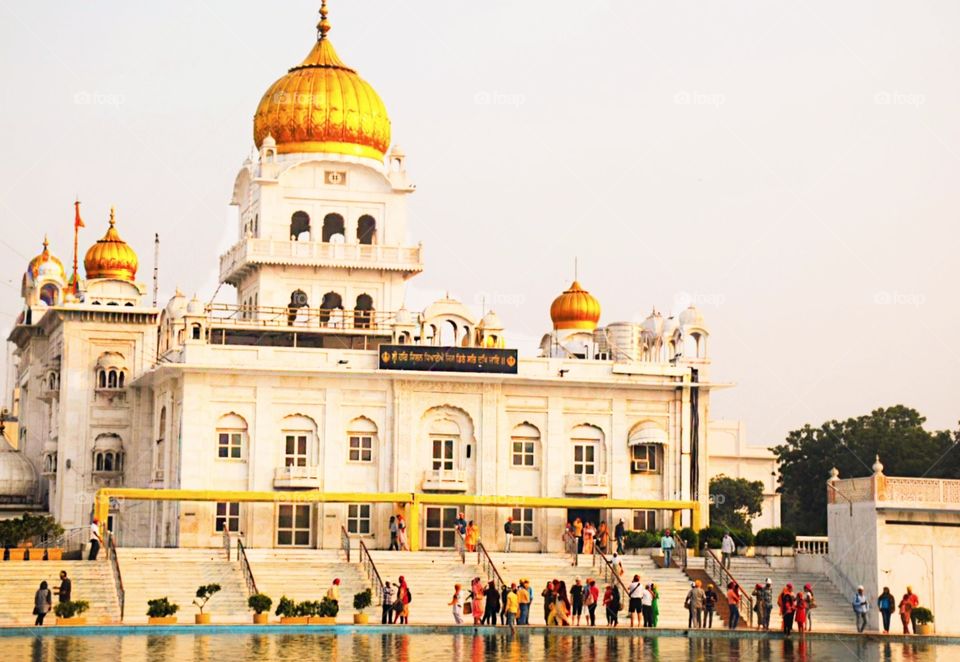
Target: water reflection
460,647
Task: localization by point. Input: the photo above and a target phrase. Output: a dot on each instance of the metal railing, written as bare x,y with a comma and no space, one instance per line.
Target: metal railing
345,542
488,566
608,571
460,545
299,317
71,540
722,576
115,567
370,570
680,549
245,567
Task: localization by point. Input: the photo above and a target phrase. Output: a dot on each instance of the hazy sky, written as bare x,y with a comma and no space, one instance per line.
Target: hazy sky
790,166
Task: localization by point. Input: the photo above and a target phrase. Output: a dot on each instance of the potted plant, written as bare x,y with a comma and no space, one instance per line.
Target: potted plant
204,593
309,609
290,613
14,533
327,612
260,604
160,611
924,618
69,612
54,553
361,601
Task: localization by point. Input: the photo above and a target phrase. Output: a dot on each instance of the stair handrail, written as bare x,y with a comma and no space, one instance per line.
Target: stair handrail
680,546
76,536
370,569
115,568
460,544
345,541
710,561
606,567
245,567
489,568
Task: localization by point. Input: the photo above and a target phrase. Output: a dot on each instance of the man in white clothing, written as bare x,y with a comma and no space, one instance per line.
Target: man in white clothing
727,548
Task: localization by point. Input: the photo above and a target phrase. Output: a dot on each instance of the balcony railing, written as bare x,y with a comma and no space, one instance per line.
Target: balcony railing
812,545
592,484
297,477
316,253
297,318
445,480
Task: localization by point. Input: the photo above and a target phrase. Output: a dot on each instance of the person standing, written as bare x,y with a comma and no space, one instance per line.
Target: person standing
646,606
694,603
810,603
492,604
758,604
504,590
512,607
768,603
611,603
334,592
578,534
386,603
655,607
576,600
885,605
561,606
733,605
402,534
472,537
461,524
709,605
860,607
620,533
666,548
402,603
603,538
393,534
508,535
591,596
476,601
66,587
95,539
914,603
786,604
523,603
801,613
906,610
589,534
457,603
617,564
727,548
549,596
635,601
42,603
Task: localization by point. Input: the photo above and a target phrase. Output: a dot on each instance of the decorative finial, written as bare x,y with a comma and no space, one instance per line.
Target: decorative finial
46,242
113,214
323,27
877,466
834,474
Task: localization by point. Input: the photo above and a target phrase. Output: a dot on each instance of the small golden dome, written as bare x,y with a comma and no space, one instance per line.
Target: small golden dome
111,257
322,105
575,309
46,263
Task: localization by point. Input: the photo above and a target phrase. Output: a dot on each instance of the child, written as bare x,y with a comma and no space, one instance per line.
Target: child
800,613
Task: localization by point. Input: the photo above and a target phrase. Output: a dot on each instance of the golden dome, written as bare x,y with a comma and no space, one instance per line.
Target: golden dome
575,309
322,105
111,257
46,263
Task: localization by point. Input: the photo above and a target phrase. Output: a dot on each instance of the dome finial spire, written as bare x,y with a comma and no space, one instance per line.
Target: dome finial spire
46,242
323,27
113,214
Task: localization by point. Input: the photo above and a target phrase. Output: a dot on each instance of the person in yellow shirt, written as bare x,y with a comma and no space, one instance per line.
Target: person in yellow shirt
513,607
523,597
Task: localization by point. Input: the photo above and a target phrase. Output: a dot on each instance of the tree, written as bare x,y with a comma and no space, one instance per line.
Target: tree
896,434
734,502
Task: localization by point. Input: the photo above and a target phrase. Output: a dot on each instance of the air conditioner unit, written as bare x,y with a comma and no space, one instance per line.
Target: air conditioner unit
638,466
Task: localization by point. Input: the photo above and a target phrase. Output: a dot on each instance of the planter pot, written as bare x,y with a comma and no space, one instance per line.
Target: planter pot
323,620
294,620
161,620
201,619
17,553
76,620
261,619
54,554
360,619
775,551
926,628
34,554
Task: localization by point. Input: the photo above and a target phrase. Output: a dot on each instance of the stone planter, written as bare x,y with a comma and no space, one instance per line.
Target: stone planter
323,620
201,619
775,551
161,620
926,628
261,619
294,620
54,554
17,553
360,619
76,620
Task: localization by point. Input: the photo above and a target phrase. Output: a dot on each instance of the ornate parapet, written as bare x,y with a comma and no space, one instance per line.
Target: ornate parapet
915,493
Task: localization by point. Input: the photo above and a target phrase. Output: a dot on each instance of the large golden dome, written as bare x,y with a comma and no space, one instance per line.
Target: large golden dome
322,105
575,309
111,257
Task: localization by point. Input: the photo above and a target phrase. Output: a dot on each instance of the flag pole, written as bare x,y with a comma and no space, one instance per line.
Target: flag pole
77,224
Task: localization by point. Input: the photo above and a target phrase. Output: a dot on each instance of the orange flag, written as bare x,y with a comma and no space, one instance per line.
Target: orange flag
77,221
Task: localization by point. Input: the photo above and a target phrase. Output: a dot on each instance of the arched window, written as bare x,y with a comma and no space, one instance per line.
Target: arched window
101,379
112,379
366,229
331,301
524,446
445,442
645,441
333,226
231,437
50,294
298,300
587,446
195,332
108,453
299,439
363,313
361,439
300,226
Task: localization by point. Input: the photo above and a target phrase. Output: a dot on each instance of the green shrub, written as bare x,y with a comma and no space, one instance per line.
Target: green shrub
308,608
776,538
204,593
690,537
922,615
362,600
259,602
329,608
712,536
15,531
161,607
641,539
71,608
286,607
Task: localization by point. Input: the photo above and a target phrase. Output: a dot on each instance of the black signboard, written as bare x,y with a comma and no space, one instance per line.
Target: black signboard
448,359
